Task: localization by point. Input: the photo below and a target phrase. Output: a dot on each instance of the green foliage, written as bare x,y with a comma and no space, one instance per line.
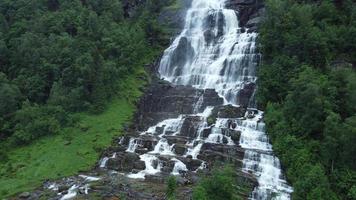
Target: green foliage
171,188
70,56
222,184
52,157
60,62
307,87
35,121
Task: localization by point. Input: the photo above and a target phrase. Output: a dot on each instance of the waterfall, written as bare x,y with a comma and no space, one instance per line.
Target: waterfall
212,51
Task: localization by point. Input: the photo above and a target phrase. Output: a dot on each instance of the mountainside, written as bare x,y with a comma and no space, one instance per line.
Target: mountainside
178,99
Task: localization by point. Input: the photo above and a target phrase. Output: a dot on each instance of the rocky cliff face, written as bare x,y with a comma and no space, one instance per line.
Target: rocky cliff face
249,12
163,100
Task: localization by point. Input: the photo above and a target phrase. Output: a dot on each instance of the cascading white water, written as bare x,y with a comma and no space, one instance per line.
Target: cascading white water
259,159
211,51
132,145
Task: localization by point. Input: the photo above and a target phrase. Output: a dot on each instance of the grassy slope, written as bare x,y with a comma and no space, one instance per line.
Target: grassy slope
51,158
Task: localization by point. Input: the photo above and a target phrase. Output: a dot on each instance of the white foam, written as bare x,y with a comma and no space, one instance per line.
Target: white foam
72,192
178,167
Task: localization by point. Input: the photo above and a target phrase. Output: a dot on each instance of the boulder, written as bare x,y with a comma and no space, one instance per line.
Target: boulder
235,135
125,162
191,164
180,149
226,111
24,195
140,165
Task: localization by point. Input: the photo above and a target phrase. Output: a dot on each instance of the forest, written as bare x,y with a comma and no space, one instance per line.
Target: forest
68,68
59,57
307,85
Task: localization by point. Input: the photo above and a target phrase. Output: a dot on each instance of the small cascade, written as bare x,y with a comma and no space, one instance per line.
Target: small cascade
198,104
132,145
72,192
171,128
103,162
152,164
194,151
163,148
179,166
260,161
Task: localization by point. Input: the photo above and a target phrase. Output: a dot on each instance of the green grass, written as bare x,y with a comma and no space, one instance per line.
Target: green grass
52,157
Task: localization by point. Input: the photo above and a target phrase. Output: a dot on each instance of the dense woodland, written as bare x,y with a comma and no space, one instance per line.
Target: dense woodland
307,84
58,57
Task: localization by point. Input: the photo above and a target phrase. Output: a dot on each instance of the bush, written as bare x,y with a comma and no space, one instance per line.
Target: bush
218,186
171,188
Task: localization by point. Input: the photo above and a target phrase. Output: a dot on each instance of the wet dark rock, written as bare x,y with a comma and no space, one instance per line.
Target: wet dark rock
217,152
235,135
63,188
206,132
213,156
142,150
147,142
247,10
168,166
181,54
140,165
192,164
125,162
226,111
179,149
176,139
253,22
245,94
229,111
209,36
190,126
163,101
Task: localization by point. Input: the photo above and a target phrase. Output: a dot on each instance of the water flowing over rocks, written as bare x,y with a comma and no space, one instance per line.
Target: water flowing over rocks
164,100
200,111
249,12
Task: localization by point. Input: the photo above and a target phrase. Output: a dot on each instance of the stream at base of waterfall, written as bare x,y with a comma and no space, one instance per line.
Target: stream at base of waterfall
211,52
